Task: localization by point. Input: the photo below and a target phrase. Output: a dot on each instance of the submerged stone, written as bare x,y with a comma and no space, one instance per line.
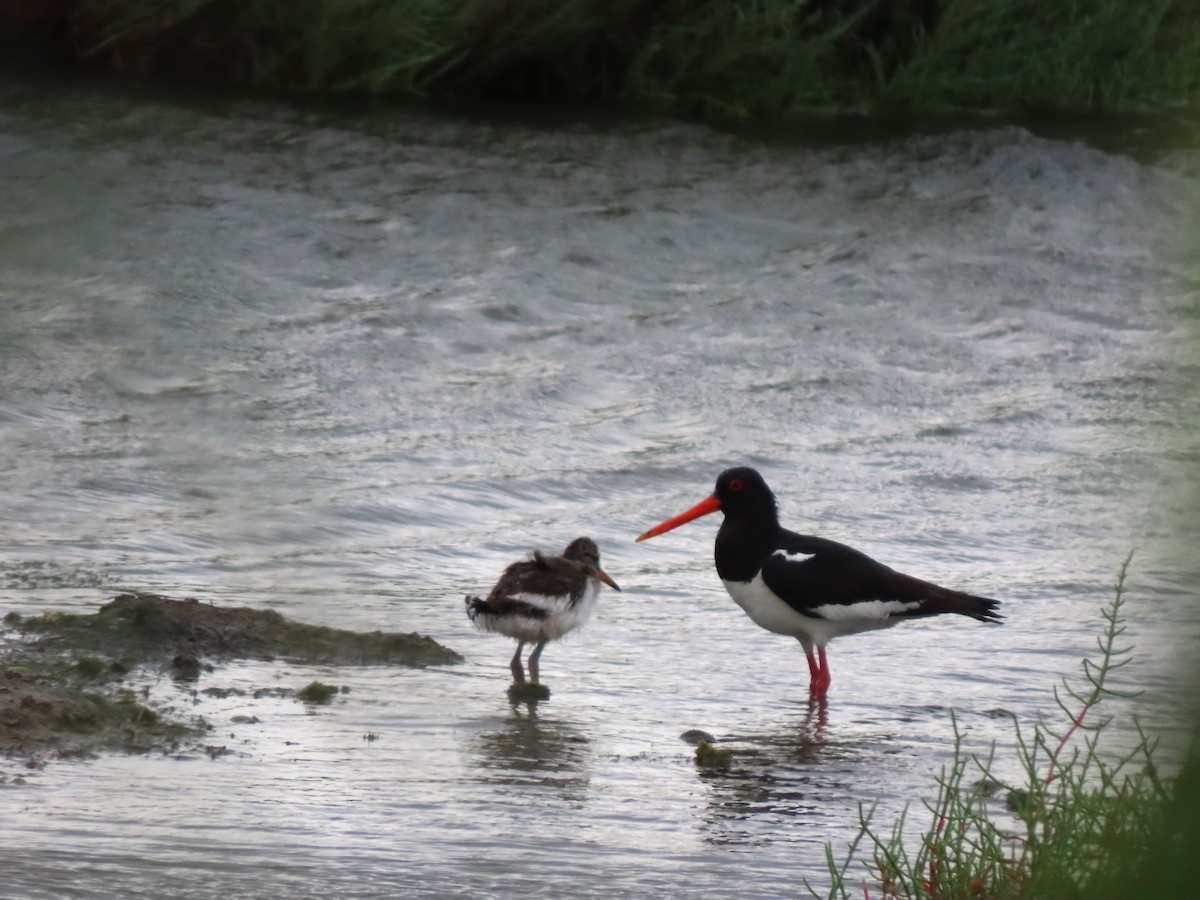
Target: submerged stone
710,757
524,691
1022,803
186,668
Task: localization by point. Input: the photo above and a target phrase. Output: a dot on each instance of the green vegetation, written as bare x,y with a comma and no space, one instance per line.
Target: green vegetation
1087,824
722,58
57,715
96,713
317,692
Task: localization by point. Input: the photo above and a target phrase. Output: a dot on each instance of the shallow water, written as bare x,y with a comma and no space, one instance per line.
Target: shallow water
350,364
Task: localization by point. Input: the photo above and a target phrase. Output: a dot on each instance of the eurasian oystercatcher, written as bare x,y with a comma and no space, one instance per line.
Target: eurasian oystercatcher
539,599
810,588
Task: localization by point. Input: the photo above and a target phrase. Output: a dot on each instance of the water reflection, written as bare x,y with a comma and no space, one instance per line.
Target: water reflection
780,782
800,740
532,749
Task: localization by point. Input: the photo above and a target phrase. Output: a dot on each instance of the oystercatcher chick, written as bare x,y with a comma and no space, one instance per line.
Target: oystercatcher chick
810,588
539,599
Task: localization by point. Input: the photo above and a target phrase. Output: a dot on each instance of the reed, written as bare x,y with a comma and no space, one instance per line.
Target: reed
1076,54
1087,823
717,58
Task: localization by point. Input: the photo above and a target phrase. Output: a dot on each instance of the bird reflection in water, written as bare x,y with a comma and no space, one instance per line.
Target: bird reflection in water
531,749
775,781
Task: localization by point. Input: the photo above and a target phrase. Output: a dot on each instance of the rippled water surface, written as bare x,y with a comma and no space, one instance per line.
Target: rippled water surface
348,365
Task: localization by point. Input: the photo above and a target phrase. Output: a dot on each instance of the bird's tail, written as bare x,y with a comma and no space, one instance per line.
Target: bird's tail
935,600
984,609
475,606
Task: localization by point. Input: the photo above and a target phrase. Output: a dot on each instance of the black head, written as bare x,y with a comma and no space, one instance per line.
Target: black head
584,550
742,493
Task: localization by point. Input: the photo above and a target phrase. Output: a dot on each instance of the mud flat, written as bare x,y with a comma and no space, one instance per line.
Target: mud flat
62,691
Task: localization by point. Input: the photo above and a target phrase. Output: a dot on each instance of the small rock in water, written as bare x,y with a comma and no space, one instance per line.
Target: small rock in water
987,787
523,690
695,736
317,692
185,668
90,667
710,757
1022,803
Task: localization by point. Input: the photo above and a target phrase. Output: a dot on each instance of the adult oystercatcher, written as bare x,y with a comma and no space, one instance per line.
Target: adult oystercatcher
539,599
808,587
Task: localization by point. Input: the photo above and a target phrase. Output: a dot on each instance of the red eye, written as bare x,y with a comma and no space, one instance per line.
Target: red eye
735,485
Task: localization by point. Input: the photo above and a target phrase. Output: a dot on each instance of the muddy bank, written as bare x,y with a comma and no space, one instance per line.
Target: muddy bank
56,714
150,628
61,692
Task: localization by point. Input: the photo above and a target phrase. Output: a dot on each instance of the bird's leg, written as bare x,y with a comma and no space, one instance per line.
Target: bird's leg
814,670
826,678
533,661
515,665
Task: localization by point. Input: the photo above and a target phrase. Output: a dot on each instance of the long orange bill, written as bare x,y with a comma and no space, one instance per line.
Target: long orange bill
703,508
600,573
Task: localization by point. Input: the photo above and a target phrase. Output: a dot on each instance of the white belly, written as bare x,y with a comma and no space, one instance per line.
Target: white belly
574,616
762,605
562,616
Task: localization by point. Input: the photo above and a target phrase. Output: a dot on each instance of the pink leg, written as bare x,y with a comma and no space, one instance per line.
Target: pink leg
814,669
825,679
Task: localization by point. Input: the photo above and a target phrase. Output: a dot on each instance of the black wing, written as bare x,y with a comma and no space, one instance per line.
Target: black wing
810,572
551,577
503,607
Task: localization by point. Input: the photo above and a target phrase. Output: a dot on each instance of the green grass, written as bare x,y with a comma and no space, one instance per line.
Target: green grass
1088,824
1080,54
718,58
